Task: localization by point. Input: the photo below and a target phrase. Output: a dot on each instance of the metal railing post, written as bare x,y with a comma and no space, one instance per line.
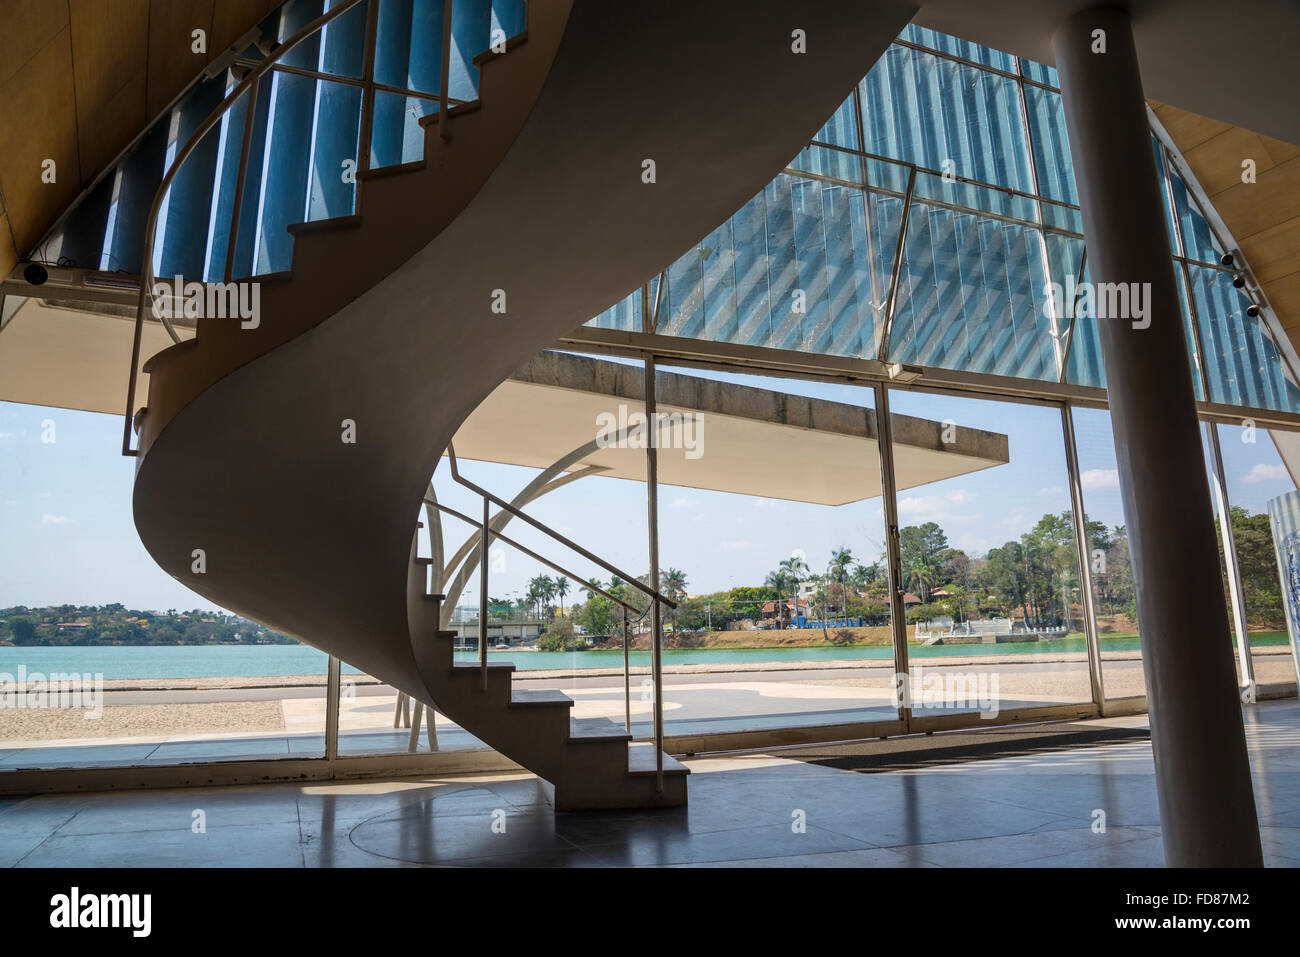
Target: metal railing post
483,596
656,619
232,238
627,681
1092,638
444,121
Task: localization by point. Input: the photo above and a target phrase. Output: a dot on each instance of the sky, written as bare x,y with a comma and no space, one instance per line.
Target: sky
66,531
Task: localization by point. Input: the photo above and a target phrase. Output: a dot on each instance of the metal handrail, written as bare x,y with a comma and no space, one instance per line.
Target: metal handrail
613,570
151,224
487,533
657,600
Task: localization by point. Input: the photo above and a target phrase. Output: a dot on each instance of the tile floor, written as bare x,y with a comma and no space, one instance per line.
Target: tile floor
745,810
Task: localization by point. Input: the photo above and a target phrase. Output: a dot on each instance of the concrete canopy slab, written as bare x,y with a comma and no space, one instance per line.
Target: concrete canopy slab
736,438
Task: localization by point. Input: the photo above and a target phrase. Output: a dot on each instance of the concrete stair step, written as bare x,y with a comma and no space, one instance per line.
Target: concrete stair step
547,698
641,760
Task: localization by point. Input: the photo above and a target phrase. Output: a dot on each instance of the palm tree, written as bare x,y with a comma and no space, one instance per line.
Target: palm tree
561,589
780,581
797,570
841,559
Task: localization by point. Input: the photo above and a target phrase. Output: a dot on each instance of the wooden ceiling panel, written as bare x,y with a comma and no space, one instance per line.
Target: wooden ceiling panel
39,125
28,26
231,19
1218,160
172,60
109,46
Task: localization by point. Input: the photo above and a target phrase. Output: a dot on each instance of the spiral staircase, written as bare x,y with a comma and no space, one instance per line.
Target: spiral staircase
606,138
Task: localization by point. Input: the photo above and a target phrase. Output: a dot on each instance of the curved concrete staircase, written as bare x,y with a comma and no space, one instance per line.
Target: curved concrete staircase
386,319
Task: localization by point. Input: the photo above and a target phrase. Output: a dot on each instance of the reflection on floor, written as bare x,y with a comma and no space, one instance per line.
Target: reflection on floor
757,810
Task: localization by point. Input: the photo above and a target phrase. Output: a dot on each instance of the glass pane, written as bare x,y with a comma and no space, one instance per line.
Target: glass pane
1242,361
946,116
120,664
791,270
770,518
961,48
1256,474
989,556
408,45
396,134
338,47
1114,593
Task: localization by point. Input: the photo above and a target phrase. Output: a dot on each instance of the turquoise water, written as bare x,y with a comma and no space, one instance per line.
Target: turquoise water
210,661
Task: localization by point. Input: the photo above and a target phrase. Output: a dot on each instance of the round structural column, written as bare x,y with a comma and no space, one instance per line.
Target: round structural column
1207,804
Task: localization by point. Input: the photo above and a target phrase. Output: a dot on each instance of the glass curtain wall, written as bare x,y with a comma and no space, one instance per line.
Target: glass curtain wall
995,619
104,659
933,221
1255,474
1113,591
772,532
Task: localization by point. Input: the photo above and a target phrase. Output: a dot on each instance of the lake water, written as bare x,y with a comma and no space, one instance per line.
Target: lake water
259,661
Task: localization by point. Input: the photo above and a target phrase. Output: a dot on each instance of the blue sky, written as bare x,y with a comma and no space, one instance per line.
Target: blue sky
68,536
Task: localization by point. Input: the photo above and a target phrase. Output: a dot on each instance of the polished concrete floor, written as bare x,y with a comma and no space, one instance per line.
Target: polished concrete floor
753,810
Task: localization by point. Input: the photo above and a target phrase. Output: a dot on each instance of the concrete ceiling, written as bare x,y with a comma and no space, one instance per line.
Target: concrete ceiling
1263,216
79,79
740,439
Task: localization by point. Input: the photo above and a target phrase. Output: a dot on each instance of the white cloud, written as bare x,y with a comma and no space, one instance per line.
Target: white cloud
735,546
1051,490
1266,473
1094,479
934,508
48,519
8,435
683,503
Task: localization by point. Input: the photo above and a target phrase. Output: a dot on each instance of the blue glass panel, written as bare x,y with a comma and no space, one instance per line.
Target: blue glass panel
396,135
183,228
336,121
275,187
471,26
1197,360
1040,73
946,116
1199,241
135,183
624,316
824,161
972,295
842,128
408,44
1051,145
961,48
1241,358
231,133
338,48
509,17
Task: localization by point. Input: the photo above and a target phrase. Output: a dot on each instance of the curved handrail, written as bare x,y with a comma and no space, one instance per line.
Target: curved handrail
545,561
183,154
590,556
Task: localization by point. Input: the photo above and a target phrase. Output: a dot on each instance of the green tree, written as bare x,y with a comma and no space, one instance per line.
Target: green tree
22,630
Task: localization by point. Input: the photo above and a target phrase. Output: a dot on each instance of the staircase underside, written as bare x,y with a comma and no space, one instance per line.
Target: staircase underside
311,535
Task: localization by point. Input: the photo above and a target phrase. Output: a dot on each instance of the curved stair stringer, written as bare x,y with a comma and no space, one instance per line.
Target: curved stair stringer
314,536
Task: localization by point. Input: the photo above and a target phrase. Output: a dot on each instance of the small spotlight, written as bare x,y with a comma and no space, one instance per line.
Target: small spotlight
1226,259
36,274
1238,280
1253,311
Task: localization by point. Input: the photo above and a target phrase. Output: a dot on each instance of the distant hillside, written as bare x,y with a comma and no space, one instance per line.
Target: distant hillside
117,625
